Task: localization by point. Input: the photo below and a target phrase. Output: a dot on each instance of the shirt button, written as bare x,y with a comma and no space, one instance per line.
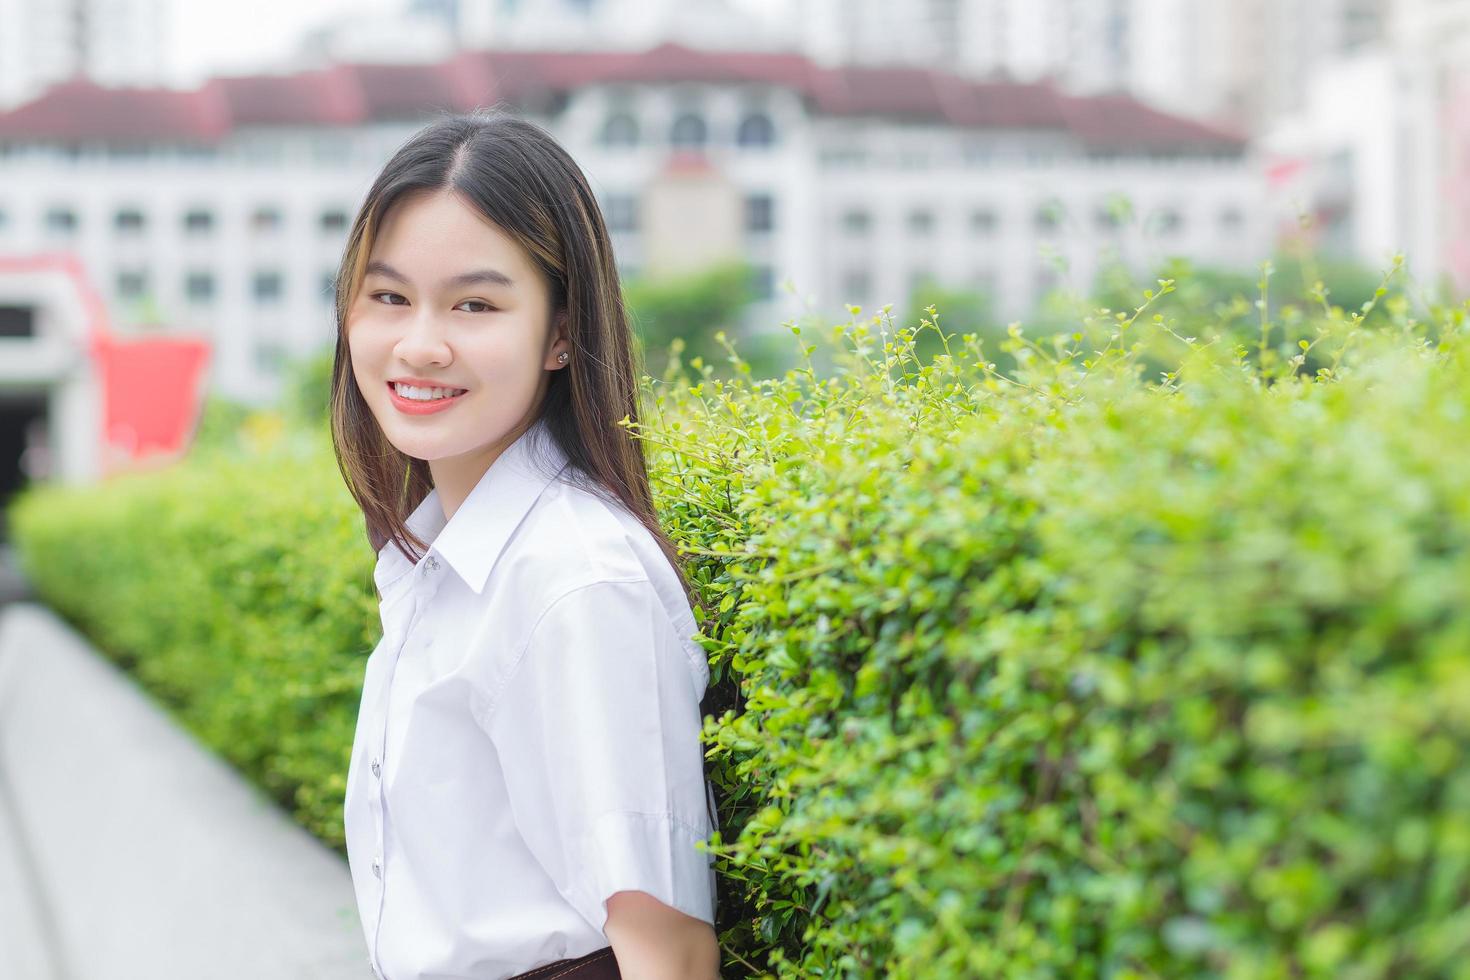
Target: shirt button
432,565
375,767
377,869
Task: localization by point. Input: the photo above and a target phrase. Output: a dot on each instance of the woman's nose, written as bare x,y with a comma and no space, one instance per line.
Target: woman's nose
424,342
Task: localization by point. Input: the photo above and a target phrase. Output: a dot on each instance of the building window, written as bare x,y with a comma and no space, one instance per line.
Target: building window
1231,220
128,221
763,282
1048,216
199,287
976,155
131,283
334,221
198,222
984,221
17,321
856,221
266,219
911,158
621,211
843,157
61,219
760,213
1113,212
756,129
330,148
266,287
921,221
688,131
1171,222
620,129
857,287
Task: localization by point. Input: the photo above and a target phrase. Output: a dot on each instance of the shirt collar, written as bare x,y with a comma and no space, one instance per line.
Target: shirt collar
472,540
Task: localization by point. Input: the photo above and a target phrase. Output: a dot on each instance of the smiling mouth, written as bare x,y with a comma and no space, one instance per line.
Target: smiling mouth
425,395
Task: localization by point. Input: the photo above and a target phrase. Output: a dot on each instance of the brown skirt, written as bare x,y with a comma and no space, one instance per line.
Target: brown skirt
597,965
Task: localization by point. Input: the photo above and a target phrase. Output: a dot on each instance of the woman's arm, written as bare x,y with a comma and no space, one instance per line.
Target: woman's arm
654,941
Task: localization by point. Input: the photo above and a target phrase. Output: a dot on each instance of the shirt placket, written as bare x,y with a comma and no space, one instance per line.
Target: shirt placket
425,582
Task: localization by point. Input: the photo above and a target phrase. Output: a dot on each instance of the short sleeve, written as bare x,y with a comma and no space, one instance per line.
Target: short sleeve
597,733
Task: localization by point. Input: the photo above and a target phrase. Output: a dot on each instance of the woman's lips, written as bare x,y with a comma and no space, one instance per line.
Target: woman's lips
410,406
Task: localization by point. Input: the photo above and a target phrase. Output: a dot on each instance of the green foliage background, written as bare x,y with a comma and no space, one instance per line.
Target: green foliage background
1150,658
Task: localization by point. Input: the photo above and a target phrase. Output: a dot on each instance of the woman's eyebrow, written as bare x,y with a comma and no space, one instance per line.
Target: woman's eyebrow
490,277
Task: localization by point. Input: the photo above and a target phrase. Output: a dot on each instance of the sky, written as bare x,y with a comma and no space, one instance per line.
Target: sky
231,38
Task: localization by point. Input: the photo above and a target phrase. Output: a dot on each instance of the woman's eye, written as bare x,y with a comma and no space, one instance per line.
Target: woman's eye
391,299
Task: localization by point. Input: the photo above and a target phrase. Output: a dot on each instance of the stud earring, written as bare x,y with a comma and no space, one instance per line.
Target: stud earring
562,357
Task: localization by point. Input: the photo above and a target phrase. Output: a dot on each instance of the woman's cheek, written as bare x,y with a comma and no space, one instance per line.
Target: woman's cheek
507,358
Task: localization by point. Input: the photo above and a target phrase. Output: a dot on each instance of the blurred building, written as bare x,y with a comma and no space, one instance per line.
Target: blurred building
1431,41
1241,62
224,209
1377,153
113,42
50,404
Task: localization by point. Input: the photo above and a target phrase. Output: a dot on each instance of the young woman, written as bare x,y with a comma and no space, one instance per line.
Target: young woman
526,788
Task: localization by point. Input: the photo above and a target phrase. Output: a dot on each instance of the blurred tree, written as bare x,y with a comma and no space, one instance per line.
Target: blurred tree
694,307
220,421
307,388
1218,291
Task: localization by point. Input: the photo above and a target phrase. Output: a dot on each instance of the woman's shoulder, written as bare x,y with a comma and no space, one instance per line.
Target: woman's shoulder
577,537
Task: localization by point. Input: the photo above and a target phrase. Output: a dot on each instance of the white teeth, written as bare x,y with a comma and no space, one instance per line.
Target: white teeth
424,394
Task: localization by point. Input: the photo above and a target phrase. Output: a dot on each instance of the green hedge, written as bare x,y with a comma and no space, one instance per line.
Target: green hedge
1069,673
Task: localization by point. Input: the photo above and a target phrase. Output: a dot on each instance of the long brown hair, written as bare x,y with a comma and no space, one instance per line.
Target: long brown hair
519,177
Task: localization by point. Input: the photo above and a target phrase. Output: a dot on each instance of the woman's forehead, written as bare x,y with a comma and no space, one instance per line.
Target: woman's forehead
435,235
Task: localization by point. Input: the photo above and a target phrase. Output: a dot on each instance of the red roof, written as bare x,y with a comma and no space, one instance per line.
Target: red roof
348,94
80,109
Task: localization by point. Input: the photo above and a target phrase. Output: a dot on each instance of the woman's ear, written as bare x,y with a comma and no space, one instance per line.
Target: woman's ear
561,342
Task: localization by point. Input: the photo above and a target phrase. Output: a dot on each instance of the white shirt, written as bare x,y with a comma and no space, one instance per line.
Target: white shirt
528,738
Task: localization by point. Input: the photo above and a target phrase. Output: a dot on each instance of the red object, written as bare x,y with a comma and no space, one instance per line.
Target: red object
151,386
151,392
1282,170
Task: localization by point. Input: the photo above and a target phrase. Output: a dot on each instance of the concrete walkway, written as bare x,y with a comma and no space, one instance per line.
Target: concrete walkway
127,850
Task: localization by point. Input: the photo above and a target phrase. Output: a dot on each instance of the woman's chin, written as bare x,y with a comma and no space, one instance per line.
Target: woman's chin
422,449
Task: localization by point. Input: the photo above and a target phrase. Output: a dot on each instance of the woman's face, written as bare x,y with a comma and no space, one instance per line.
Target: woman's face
450,300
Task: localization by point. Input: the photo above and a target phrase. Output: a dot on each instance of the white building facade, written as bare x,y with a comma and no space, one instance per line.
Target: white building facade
224,210
1241,62
1378,151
